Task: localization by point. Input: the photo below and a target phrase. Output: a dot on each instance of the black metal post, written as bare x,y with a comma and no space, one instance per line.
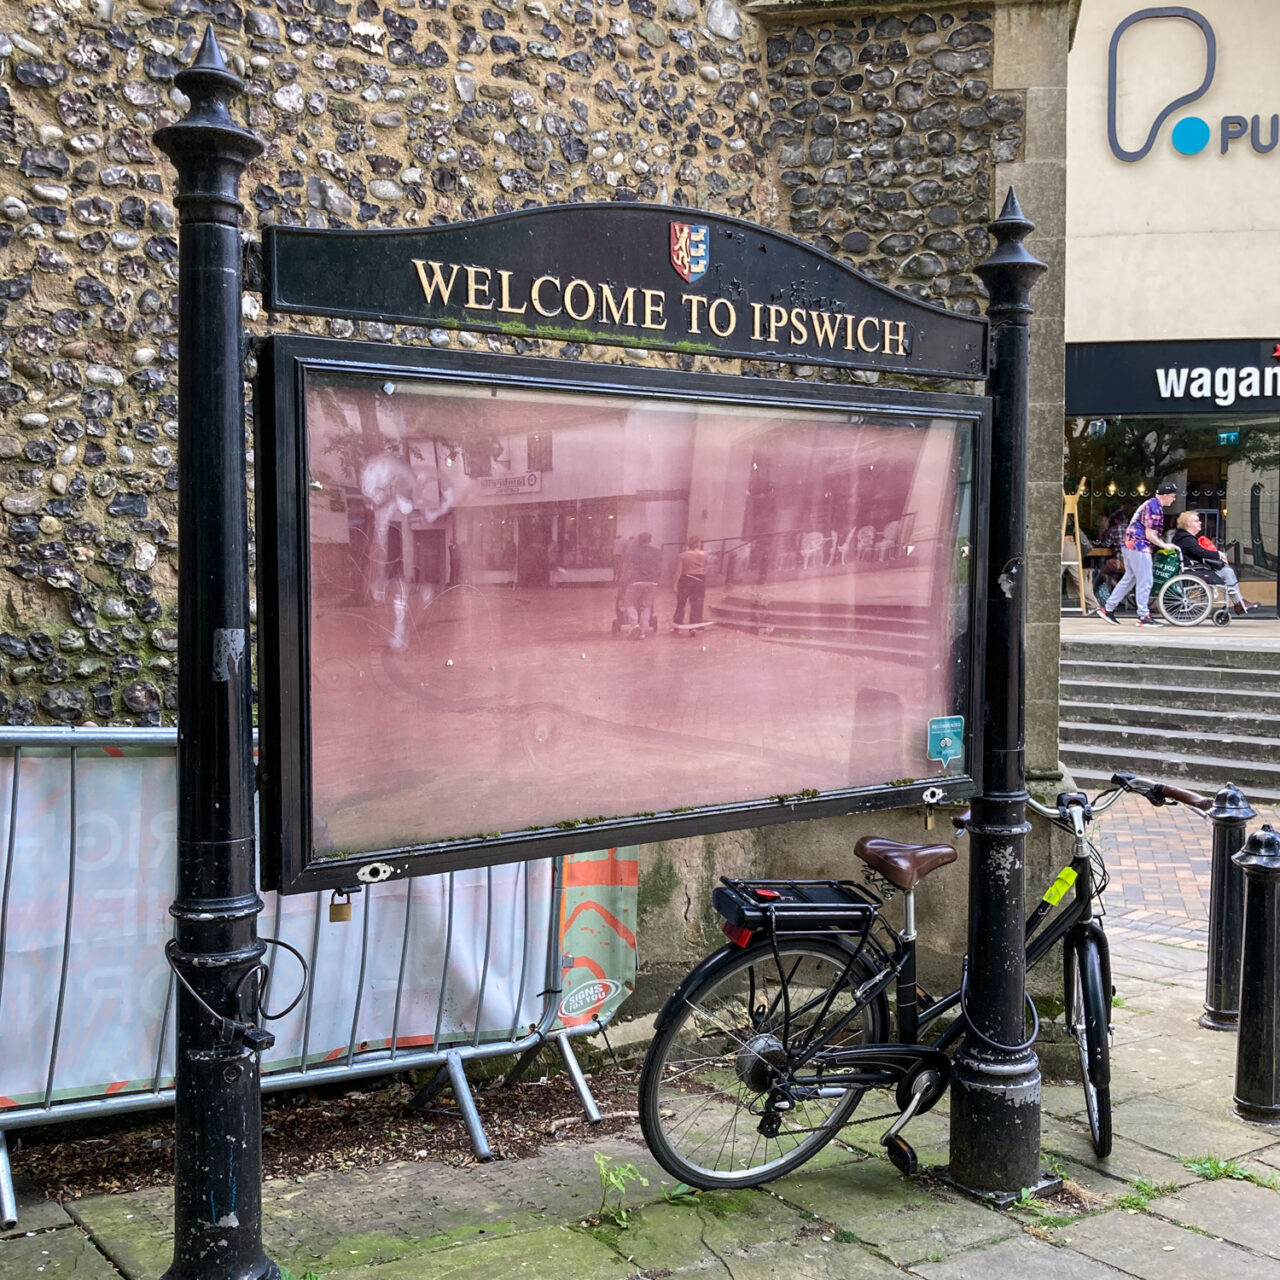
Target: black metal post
218,1153
1258,1047
1230,815
995,1091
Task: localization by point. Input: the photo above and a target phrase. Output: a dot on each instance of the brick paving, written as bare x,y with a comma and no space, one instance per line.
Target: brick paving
1159,863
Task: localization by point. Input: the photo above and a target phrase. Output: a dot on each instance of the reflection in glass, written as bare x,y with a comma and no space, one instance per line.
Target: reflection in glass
494,580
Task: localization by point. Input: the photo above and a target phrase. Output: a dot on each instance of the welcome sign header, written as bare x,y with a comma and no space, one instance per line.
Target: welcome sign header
632,275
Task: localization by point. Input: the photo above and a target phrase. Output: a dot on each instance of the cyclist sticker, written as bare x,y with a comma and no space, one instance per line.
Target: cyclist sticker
946,738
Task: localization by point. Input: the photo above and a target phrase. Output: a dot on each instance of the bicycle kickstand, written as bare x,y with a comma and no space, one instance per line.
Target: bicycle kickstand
898,1149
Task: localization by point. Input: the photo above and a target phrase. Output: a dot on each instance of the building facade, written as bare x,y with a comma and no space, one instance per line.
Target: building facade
1173,364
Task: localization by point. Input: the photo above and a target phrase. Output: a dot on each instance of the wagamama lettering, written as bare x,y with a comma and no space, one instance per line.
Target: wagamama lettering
1222,385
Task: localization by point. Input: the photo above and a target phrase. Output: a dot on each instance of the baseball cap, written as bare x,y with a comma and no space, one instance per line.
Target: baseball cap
1167,488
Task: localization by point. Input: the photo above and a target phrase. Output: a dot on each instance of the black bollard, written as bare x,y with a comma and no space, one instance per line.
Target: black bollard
1258,1047
995,1083
216,950
1230,815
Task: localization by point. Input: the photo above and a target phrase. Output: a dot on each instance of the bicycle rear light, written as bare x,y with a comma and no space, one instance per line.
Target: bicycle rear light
737,934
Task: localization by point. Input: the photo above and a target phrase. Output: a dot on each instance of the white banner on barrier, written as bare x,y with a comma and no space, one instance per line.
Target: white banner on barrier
115,1034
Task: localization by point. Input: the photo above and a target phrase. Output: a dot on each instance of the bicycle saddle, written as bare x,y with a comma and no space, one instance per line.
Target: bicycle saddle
904,865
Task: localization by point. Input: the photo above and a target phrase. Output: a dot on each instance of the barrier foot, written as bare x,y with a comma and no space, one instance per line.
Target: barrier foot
522,1065
580,1086
8,1201
467,1105
429,1091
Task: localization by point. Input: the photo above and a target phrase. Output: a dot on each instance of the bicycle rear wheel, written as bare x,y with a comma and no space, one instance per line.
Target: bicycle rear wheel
707,1078
1088,1021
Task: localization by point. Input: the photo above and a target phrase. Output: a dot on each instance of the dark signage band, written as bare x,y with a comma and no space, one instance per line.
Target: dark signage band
1108,379
632,275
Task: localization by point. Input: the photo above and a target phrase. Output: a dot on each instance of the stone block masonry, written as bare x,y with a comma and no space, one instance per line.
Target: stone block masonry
870,134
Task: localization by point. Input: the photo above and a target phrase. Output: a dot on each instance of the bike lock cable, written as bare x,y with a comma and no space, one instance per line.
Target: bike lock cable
986,1041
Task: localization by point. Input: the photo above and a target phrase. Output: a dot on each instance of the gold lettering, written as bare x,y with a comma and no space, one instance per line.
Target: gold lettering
722,306
899,337
848,332
611,310
654,302
862,341
757,315
694,300
477,284
504,278
436,282
579,286
799,329
824,327
535,295
777,318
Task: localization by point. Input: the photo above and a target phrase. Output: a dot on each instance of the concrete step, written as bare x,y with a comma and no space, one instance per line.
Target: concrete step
1158,718
1258,779
1156,668
1170,695
1168,645
1176,742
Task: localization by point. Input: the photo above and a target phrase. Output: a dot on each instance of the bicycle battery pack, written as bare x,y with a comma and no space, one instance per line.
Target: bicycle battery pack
790,905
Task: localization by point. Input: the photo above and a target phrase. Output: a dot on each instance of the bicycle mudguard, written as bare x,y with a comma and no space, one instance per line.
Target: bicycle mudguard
1095,995
690,980
1098,934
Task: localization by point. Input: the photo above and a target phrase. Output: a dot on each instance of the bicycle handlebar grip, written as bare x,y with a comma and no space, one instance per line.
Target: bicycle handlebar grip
1189,798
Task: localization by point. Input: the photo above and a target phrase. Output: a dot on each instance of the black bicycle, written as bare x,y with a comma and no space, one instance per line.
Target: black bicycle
764,1051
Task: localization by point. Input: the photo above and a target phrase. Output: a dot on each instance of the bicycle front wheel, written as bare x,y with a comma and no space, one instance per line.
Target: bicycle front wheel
1185,600
1088,1021
711,1070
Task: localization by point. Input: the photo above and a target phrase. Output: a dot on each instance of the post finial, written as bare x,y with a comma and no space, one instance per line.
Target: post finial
1011,270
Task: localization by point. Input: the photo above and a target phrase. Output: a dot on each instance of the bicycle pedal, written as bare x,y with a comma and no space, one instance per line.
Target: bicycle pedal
903,1155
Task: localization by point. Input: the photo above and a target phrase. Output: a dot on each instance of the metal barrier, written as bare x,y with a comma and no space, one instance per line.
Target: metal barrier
448,1050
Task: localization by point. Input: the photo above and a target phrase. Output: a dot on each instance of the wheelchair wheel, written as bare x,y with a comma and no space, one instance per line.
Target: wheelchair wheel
1185,600
1221,617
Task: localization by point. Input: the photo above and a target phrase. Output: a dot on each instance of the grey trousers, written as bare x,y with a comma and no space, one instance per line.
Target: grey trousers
1137,578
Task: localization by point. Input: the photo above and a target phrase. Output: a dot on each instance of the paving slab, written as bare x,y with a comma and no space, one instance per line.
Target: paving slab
1182,1131
810,1259
666,1236
35,1213
1019,1256
1232,1208
1154,1249
903,1220
551,1253
1128,1160
48,1254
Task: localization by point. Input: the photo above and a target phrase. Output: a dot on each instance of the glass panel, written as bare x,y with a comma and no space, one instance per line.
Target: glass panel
701,604
1226,469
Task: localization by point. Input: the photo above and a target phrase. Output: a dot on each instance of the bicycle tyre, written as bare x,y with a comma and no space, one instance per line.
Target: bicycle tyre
678,1128
1088,1021
1185,600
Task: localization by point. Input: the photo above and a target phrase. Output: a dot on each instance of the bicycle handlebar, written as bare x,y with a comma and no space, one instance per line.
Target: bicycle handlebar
1159,793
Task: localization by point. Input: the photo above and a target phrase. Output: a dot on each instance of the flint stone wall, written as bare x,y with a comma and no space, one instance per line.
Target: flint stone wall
874,136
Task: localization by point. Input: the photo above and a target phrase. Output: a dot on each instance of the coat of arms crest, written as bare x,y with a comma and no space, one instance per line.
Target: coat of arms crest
690,250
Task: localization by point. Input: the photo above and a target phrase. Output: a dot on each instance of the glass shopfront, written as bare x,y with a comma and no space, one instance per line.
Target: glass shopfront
1221,452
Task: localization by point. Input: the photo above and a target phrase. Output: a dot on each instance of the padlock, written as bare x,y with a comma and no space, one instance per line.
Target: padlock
928,817
339,908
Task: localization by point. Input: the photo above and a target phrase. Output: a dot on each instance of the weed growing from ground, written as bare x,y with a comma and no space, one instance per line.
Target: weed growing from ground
1144,1191
614,1180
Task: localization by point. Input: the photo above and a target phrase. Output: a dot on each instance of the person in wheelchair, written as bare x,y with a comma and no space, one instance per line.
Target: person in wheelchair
1199,555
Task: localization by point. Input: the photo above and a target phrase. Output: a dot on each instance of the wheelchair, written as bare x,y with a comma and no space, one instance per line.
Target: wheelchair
1191,595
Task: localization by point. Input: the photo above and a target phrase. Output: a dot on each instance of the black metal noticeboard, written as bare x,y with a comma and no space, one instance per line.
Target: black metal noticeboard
513,607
